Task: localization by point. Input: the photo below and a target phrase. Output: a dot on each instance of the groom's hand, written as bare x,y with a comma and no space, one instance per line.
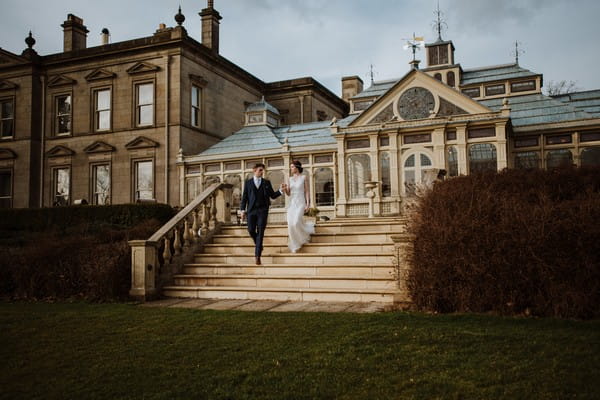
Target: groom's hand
243,215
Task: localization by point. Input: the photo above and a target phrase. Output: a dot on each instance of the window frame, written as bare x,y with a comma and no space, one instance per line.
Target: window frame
54,185
93,175
199,108
315,182
134,178
470,159
11,196
7,99
56,116
96,112
137,105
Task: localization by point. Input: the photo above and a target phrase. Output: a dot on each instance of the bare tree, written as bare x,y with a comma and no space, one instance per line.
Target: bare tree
554,88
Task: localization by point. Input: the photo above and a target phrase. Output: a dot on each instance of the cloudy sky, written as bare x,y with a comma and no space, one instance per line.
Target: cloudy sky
328,39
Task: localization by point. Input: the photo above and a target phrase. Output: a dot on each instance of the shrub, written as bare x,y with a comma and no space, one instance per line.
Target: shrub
79,252
513,242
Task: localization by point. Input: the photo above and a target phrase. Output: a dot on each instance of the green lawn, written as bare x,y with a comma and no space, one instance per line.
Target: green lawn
111,351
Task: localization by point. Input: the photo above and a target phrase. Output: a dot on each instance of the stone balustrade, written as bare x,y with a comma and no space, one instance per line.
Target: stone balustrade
163,254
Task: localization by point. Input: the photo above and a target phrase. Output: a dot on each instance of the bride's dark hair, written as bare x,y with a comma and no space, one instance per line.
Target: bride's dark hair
298,165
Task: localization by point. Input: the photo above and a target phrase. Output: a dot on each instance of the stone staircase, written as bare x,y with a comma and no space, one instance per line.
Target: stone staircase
349,260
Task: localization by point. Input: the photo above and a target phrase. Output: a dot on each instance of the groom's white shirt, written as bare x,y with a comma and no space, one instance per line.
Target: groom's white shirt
257,182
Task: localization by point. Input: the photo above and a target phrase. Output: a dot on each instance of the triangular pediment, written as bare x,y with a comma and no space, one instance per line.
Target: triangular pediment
60,80
142,67
99,147
7,154
141,142
60,151
6,57
100,74
429,97
7,85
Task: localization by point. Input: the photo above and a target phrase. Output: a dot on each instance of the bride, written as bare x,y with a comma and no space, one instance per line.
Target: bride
298,189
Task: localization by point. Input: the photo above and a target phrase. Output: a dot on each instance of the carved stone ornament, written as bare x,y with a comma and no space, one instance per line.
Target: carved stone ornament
416,103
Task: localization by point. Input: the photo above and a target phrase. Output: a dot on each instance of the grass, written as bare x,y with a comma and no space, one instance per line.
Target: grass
120,351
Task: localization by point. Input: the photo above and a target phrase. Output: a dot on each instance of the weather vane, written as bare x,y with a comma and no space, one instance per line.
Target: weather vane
372,73
439,24
517,51
414,43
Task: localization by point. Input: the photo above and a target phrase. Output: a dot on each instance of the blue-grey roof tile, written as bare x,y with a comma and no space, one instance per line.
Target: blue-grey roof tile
494,73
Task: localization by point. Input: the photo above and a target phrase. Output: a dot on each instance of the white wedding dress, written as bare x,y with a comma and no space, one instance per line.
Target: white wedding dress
298,231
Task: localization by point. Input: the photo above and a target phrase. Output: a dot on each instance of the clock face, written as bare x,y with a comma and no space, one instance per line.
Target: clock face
416,103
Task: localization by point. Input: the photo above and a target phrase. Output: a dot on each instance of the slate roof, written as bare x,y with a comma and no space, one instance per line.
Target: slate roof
262,105
376,89
263,137
536,109
588,101
494,73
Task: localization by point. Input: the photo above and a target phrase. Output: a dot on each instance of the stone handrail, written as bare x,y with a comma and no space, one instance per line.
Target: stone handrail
179,239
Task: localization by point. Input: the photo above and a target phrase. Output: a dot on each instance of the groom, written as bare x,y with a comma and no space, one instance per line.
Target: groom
255,203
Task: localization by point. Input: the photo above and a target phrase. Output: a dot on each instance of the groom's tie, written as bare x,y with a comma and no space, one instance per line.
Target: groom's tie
257,182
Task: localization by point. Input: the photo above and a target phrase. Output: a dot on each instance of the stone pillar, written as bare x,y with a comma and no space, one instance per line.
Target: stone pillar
395,171
501,151
144,262
404,250
439,157
375,170
224,201
461,148
341,177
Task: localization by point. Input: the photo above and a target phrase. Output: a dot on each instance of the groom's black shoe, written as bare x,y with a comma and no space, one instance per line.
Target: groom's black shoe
258,261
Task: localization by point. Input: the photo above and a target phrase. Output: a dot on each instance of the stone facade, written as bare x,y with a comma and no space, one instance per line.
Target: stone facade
97,123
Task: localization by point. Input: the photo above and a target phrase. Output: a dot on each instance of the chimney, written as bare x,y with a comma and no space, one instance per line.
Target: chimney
75,33
351,86
210,27
105,36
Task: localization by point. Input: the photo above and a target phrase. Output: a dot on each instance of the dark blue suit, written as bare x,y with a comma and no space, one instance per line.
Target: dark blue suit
256,202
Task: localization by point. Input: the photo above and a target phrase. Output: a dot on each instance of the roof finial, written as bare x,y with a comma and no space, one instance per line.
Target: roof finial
517,51
179,17
30,41
371,73
211,4
439,24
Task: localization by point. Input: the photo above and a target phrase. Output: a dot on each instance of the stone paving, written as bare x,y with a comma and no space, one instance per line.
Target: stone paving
270,305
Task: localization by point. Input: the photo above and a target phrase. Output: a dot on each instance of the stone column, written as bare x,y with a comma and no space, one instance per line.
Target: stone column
341,176
461,148
375,170
395,172
501,151
439,157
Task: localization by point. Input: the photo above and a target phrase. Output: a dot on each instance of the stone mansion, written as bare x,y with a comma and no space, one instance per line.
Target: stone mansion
160,118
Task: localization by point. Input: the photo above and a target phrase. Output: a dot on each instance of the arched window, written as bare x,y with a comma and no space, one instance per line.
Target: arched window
276,178
438,76
482,157
452,161
384,171
236,181
358,171
324,190
527,160
415,169
590,157
450,78
559,158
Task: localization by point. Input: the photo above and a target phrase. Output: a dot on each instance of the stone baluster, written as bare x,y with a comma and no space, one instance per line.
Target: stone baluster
195,224
404,252
187,234
167,251
176,241
205,217
213,209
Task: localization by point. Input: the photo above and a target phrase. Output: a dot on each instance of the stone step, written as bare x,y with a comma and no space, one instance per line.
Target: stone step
282,239
364,271
284,294
325,227
308,248
285,281
299,258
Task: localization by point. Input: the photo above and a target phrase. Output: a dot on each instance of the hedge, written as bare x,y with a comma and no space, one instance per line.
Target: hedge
512,243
